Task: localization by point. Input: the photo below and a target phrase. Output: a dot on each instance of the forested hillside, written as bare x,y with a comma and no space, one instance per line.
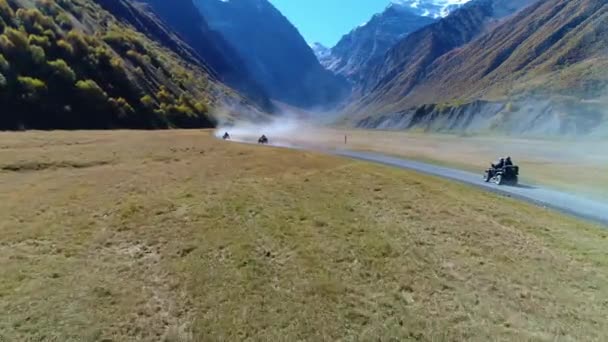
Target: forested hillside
71,64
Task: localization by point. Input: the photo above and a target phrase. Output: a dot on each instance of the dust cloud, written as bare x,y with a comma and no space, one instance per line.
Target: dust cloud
285,130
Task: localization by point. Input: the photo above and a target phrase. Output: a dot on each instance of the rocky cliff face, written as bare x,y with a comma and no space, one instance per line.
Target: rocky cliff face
548,63
533,116
210,47
274,51
369,42
320,50
388,81
431,8
553,47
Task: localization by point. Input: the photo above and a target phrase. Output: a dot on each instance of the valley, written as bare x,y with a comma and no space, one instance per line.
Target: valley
362,215
177,236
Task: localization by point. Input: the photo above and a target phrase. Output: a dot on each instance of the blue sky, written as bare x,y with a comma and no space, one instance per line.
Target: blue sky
326,21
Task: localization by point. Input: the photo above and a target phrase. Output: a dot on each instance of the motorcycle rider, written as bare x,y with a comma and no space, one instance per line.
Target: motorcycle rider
495,167
508,162
226,136
499,165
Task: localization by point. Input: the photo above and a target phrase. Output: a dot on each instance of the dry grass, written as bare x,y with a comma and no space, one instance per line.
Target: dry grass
579,166
176,236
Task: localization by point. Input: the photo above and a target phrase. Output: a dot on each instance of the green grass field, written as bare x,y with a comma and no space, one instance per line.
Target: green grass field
175,236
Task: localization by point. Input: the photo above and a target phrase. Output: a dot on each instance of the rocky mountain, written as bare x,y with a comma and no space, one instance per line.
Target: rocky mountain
320,50
274,51
370,41
555,47
430,8
384,84
183,17
101,64
543,70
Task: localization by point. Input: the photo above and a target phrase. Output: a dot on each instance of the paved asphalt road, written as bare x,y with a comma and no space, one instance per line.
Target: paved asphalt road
563,202
566,203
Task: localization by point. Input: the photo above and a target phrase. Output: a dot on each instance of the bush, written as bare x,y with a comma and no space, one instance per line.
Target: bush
50,34
201,107
2,81
41,41
104,57
49,7
5,44
117,40
64,21
68,5
61,69
65,47
139,59
122,107
34,20
31,87
91,90
164,96
148,102
14,41
6,12
78,42
37,53
4,64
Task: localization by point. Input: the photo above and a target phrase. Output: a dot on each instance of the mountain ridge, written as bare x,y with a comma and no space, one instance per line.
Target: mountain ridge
276,54
545,67
224,61
430,8
405,64
369,42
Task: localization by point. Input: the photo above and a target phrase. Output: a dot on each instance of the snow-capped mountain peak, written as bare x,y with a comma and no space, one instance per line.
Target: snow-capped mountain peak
430,8
320,50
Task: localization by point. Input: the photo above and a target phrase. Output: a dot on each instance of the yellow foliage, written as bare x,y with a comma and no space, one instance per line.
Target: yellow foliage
65,46
17,39
34,19
31,84
37,53
122,106
61,69
4,64
41,41
92,90
78,42
6,12
147,101
164,96
64,20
